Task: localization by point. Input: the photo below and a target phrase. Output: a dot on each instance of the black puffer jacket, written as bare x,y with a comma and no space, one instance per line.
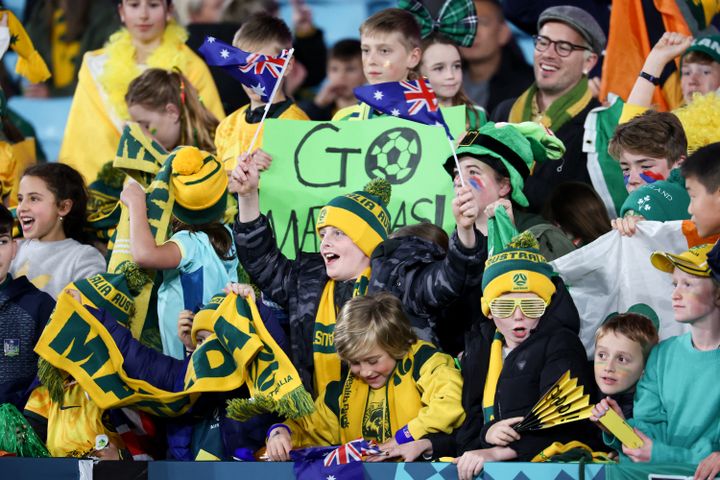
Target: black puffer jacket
416,271
528,372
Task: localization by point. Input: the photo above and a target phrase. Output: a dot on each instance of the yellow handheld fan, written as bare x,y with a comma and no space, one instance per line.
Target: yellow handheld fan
564,402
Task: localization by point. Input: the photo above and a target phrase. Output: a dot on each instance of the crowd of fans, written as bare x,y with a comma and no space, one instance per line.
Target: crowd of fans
380,326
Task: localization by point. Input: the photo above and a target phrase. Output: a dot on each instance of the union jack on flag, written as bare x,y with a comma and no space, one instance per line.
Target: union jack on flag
351,452
412,100
258,72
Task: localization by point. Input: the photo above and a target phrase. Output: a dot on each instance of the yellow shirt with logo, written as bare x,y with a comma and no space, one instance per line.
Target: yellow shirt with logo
72,426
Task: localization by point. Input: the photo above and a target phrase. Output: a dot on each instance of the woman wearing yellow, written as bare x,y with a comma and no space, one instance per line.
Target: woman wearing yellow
98,112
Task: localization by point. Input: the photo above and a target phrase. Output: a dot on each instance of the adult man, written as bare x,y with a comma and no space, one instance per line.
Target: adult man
567,46
496,69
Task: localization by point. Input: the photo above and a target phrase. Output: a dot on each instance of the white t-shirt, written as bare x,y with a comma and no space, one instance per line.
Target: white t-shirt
51,266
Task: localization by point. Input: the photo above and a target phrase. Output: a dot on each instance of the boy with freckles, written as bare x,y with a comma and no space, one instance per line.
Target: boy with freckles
390,44
513,362
677,400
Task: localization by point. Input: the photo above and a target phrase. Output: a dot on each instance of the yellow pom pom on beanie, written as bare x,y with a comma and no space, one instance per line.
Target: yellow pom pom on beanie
199,185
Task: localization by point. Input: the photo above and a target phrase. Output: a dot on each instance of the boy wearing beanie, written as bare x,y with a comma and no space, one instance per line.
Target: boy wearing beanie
514,361
649,148
355,257
495,162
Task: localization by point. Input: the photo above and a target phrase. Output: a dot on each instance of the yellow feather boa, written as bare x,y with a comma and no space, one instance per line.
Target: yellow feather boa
701,120
121,67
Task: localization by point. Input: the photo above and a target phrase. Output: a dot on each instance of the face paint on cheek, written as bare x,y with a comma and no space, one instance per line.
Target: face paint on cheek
387,64
476,182
627,179
651,177
153,131
622,371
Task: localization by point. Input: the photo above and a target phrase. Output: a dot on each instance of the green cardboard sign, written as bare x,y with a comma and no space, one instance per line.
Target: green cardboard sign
314,162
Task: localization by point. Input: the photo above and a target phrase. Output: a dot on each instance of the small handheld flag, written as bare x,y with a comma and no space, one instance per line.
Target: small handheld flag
261,73
412,100
565,402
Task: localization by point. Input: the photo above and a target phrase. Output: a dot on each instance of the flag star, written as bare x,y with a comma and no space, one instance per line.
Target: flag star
378,95
211,39
224,53
330,477
395,112
259,90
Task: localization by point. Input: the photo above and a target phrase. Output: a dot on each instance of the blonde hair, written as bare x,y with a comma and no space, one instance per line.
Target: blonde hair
156,88
373,321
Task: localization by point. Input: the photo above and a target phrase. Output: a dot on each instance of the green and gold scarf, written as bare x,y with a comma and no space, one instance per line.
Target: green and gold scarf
143,160
325,359
559,113
241,351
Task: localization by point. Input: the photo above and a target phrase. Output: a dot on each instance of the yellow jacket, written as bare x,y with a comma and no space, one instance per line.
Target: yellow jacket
234,134
423,393
93,128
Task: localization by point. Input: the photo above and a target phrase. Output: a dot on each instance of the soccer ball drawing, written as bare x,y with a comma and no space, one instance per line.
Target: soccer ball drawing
394,155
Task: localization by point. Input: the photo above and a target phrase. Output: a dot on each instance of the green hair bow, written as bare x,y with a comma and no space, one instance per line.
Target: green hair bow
457,20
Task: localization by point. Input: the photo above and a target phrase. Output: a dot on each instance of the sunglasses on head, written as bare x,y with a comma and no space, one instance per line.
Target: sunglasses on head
530,307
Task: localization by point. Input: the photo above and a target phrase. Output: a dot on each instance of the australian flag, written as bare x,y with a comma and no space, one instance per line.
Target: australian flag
333,463
257,72
412,100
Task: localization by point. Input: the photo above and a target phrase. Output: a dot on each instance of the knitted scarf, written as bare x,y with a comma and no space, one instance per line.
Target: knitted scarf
144,160
495,366
561,110
121,66
240,352
325,360
401,394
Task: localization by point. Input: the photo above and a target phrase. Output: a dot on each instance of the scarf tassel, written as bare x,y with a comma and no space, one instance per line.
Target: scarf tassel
295,404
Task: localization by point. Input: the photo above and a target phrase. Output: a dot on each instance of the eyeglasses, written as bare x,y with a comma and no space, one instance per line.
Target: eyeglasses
530,307
563,48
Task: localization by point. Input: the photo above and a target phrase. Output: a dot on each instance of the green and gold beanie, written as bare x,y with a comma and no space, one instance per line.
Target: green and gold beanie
361,215
512,149
199,185
519,268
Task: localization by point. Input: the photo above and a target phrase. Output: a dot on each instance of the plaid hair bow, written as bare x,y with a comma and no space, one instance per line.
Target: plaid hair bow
457,20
